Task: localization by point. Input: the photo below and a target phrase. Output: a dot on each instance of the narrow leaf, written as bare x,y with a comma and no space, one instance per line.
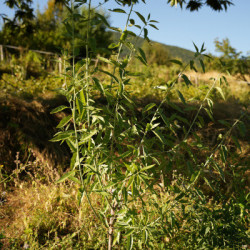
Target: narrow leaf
99,85
141,17
202,65
63,136
148,107
176,62
118,10
159,136
65,176
186,80
58,109
181,97
220,91
64,121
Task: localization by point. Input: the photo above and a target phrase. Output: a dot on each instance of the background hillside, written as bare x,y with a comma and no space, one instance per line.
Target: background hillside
174,52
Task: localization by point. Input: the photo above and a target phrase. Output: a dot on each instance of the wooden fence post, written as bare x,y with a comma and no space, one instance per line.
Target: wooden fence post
196,81
60,65
1,52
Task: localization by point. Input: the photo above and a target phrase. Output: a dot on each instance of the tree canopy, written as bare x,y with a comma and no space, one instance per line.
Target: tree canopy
45,31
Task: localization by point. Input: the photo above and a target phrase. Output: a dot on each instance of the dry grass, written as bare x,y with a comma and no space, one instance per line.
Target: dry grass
40,214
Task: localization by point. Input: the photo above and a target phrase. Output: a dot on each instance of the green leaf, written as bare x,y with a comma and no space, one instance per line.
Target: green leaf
209,183
186,80
153,21
64,121
195,176
220,91
141,17
125,194
147,167
152,25
145,34
159,136
131,33
176,62
109,74
165,119
113,46
65,176
220,171
74,179
132,21
142,60
192,66
142,54
86,137
104,59
181,97
196,48
71,145
209,114
99,85
145,236
148,107
202,65
223,153
58,109
118,10
130,242
63,135
131,180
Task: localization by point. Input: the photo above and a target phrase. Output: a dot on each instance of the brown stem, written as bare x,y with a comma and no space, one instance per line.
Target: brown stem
111,225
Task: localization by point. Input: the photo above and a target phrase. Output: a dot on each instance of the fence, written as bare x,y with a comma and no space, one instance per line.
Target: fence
56,59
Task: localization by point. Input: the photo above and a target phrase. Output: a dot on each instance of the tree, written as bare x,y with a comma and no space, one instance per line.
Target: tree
230,60
192,5
46,30
224,47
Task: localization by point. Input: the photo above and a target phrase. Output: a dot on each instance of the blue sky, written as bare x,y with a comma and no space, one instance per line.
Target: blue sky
181,27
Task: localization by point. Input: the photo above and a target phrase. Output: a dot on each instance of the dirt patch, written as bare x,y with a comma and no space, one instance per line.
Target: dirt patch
27,127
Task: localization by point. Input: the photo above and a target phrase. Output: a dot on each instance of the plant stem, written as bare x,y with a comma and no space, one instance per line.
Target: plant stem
74,116
121,44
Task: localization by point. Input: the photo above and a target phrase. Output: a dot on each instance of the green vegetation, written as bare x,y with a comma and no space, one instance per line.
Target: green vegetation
113,154
230,61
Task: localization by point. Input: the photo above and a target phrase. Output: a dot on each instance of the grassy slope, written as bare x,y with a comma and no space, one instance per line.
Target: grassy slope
38,213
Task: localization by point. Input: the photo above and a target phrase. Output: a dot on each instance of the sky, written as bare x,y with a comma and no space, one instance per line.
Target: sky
181,27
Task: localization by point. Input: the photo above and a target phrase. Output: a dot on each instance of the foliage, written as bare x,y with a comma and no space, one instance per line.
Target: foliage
156,53
139,177
120,156
46,31
230,61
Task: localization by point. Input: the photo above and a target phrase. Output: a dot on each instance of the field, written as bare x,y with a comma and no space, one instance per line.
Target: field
211,213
